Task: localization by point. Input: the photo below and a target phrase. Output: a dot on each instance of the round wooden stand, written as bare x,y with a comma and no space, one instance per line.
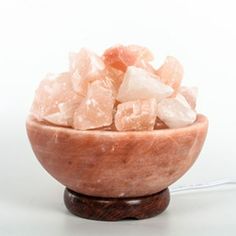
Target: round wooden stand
114,209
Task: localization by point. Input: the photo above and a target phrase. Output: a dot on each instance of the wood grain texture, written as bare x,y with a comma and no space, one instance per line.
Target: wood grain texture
114,209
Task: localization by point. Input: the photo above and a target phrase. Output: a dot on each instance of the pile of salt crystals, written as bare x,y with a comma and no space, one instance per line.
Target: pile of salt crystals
118,91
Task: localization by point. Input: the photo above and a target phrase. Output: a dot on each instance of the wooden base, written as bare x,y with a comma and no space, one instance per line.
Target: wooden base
114,209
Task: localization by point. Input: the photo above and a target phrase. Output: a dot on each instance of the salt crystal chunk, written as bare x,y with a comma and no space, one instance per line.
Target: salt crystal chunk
139,84
136,115
113,79
120,57
171,72
96,109
146,66
176,112
85,66
57,119
53,91
190,94
68,108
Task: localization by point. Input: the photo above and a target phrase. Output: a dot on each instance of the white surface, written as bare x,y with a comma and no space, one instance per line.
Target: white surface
35,37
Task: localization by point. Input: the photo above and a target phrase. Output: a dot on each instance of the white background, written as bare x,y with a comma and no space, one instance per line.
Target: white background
35,38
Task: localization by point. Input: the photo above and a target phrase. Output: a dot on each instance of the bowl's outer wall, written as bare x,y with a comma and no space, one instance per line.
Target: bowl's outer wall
117,164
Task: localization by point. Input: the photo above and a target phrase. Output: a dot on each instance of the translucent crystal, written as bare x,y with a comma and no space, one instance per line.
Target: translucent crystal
55,91
190,94
113,78
175,112
85,67
120,57
171,72
136,115
139,84
96,109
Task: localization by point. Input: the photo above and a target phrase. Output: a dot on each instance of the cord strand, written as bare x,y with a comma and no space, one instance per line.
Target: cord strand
212,184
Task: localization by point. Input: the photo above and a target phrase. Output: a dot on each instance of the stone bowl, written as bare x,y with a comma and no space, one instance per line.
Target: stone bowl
115,164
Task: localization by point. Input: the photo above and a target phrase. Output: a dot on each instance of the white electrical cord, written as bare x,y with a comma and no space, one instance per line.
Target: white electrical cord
212,184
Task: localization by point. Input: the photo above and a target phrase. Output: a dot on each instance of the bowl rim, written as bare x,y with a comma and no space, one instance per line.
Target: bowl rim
31,121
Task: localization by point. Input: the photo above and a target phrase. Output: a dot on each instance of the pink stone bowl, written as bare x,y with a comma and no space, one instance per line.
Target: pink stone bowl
116,164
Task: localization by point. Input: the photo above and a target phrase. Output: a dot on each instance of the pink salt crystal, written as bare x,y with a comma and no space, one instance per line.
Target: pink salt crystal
120,57
141,53
68,108
85,66
58,119
96,108
175,112
113,79
55,91
139,84
171,72
146,66
190,94
136,115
